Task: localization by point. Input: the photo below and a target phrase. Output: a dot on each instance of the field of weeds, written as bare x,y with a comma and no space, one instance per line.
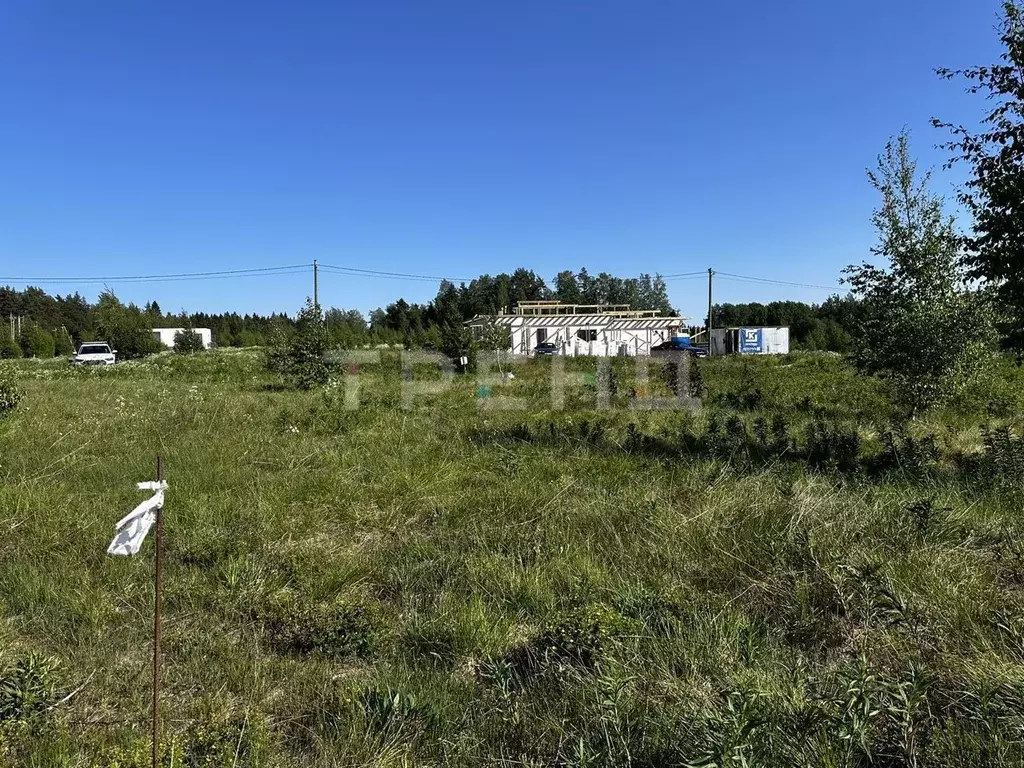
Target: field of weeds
412,569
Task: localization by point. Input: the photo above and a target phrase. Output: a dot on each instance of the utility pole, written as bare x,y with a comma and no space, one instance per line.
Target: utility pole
158,615
316,288
711,272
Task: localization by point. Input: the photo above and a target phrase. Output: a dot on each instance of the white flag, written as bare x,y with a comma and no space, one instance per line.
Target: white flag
133,527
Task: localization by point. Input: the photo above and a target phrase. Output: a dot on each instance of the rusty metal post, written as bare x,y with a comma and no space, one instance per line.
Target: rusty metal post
158,617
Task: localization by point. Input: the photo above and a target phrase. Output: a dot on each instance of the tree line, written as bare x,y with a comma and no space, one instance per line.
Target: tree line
47,325
831,326
54,325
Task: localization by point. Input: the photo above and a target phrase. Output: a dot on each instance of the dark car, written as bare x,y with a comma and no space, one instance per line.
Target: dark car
545,348
668,347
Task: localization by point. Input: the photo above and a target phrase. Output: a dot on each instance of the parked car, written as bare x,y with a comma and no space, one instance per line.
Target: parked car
675,345
545,349
94,353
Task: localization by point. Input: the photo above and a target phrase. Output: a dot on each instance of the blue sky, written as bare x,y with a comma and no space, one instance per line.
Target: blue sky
455,137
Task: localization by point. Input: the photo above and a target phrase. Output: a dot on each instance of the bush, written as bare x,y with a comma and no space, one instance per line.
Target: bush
905,453
36,342
187,342
578,640
28,688
9,348
336,628
832,446
302,356
10,392
1000,465
126,328
63,344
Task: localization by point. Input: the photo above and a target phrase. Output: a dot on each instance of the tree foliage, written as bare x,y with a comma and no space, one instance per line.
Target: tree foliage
925,327
301,355
496,339
995,157
187,342
10,392
64,345
830,326
36,341
125,327
643,292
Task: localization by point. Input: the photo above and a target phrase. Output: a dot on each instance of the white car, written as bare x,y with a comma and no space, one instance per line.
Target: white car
95,353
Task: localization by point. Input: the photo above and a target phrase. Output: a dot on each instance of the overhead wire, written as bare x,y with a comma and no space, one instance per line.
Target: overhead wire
291,269
391,275
217,275
769,281
683,275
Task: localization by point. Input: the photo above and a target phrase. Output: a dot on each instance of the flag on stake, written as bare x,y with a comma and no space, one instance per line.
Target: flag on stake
133,527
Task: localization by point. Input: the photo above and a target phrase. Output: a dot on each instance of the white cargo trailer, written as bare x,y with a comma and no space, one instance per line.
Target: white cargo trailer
750,340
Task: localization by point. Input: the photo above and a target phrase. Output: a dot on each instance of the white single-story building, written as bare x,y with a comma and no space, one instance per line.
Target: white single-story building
603,330
166,336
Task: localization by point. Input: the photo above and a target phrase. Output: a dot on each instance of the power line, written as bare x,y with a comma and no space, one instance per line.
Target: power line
392,275
768,281
681,275
353,271
253,272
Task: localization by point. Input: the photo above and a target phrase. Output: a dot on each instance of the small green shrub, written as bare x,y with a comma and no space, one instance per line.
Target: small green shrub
905,453
387,712
388,709
37,342
28,688
301,357
10,392
64,346
670,372
832,446
337,627
657,611
187,342
578,640
9,348
1000,464
608,380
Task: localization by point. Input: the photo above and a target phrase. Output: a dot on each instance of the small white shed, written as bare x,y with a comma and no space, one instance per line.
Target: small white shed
166,336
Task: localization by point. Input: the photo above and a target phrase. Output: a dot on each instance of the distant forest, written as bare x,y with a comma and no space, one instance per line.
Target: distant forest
54,325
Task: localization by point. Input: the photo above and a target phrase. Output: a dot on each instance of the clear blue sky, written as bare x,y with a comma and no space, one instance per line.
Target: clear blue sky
456,137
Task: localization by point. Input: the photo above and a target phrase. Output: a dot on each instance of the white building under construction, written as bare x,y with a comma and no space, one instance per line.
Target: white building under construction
584,329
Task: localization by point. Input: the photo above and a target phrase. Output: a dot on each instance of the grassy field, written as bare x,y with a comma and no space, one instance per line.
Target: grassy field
787,576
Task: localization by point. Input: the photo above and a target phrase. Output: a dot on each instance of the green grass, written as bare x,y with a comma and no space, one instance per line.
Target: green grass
448,585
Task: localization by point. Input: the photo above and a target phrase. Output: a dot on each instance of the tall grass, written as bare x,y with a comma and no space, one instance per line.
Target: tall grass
450,584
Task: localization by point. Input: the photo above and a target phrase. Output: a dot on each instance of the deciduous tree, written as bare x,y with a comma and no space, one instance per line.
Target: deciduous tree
995,156
926,328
